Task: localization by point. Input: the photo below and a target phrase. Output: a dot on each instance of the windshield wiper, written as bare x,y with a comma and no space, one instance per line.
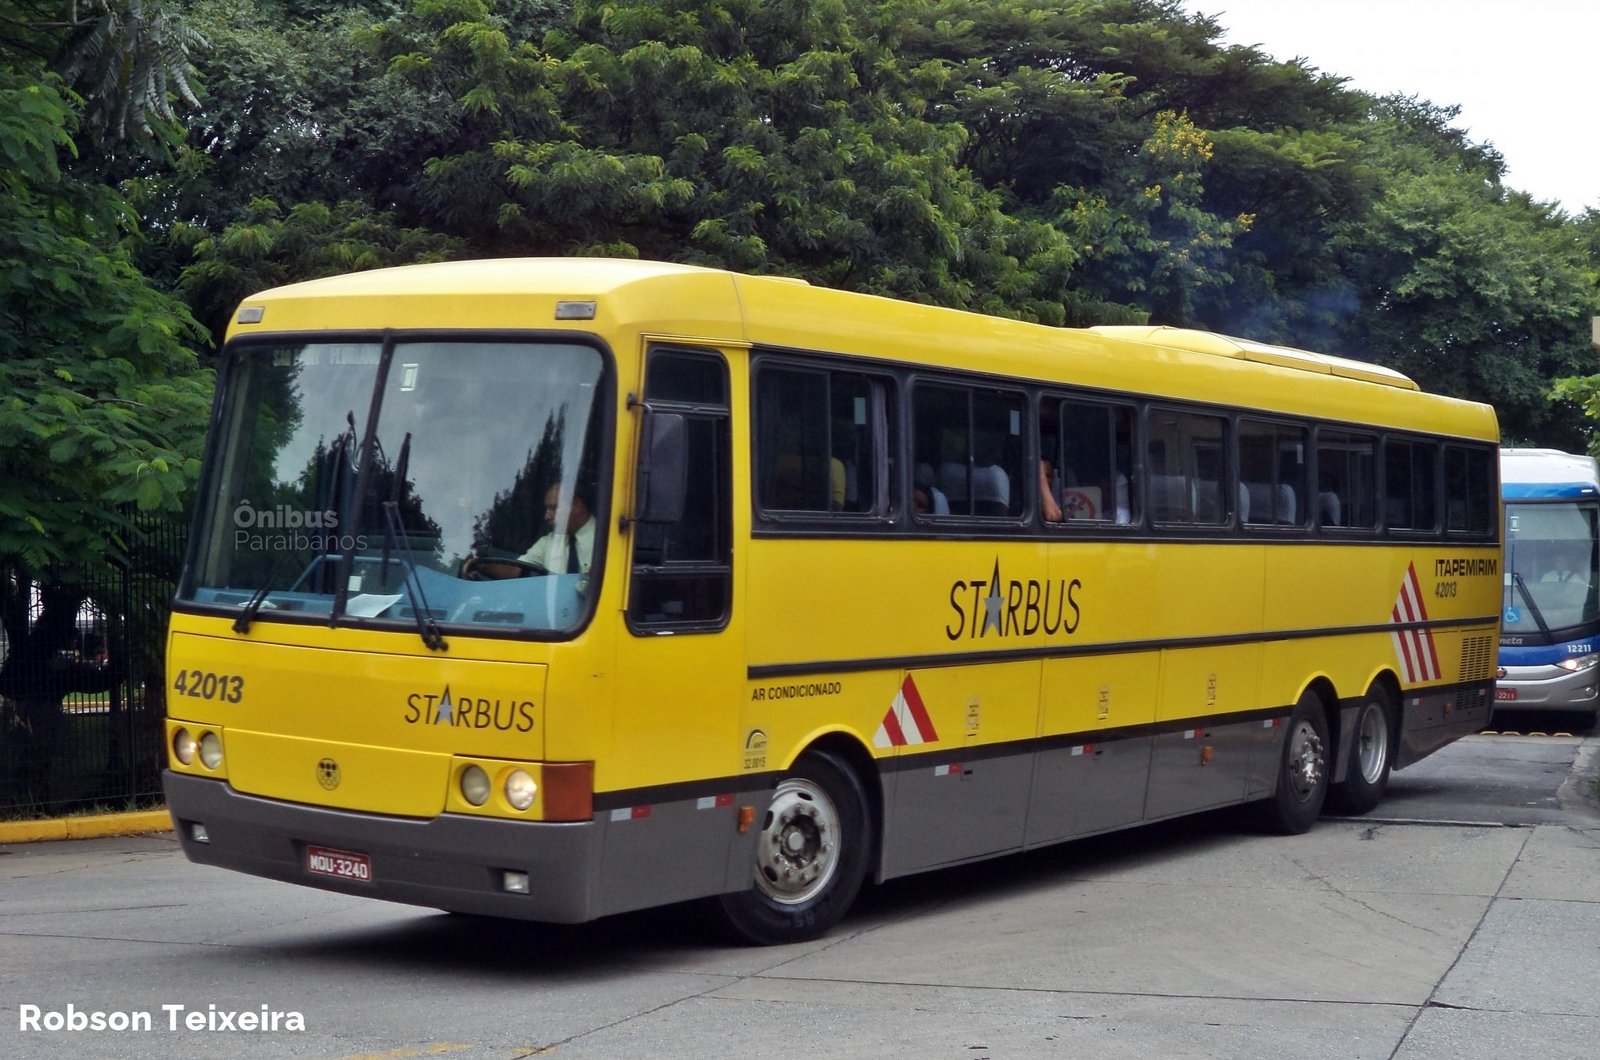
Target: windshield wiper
426,626
258,599
247,613
396,491
1533,608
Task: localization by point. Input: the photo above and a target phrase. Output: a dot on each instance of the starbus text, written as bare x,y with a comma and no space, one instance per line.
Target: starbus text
1011,608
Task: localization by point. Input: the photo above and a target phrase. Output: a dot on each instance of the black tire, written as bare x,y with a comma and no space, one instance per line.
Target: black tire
1371,755
811,855
1302,771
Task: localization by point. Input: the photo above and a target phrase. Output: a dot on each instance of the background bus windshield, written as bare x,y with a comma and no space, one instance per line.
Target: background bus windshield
1551,568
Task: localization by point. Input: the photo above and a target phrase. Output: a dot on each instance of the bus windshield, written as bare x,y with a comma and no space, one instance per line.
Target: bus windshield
1551,568
419,482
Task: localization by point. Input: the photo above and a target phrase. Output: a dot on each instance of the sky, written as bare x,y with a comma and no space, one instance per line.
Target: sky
1526,73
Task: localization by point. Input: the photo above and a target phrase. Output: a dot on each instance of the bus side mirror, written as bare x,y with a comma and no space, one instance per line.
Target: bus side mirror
663,473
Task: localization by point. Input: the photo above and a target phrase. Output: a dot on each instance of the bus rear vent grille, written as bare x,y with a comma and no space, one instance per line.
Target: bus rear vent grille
1477,671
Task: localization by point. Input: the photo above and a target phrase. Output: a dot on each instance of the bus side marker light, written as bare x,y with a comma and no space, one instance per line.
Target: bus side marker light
1205,755
575,310
747,817
514,882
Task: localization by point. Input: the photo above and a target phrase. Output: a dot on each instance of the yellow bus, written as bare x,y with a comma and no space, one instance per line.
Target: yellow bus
551,589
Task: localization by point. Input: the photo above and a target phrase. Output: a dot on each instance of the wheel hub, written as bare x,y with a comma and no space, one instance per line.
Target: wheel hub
797,852
1307,760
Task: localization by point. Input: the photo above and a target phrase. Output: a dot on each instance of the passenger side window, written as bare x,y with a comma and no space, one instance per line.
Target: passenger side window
968,451
1187,468
1410,480
1272,474
821,441
1472,490
1347,480
682,570
1086,449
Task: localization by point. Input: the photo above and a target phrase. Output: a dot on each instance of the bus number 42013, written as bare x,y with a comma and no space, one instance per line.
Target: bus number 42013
1444,590
203,684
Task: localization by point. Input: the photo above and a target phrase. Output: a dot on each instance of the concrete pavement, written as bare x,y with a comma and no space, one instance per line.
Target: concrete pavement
1364,938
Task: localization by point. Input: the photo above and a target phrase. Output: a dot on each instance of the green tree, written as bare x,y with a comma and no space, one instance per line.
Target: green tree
102,401
1075,161
1469,288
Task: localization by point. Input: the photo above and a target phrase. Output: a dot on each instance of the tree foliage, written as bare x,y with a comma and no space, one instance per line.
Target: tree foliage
102,399
1069,161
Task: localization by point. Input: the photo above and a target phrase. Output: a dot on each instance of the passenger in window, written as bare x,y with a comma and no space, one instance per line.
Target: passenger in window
1049,506
991,486
938,503
1328,504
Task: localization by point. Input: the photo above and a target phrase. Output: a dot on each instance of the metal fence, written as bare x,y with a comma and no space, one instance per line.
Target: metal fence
81,723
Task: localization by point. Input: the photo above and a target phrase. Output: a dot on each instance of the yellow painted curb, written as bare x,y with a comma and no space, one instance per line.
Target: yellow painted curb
92,826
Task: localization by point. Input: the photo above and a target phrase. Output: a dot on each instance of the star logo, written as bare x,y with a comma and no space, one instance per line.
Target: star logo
447,709
993,603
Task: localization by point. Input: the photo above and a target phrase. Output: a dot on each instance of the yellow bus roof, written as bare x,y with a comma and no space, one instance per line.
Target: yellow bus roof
670,300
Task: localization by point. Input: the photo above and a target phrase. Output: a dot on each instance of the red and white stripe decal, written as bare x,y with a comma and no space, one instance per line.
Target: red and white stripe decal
951,770
630,813
1086,749
907,721
711,802
1418,655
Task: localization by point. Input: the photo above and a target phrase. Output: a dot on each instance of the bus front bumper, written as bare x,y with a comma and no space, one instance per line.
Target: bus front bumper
455,862
1547,688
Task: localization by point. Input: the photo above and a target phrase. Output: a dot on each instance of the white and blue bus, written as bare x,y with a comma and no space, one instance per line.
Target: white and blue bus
1550,636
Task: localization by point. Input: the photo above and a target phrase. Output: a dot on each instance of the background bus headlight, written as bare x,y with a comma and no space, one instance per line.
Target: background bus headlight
183,746
1579,662
520,789
475,785
210,750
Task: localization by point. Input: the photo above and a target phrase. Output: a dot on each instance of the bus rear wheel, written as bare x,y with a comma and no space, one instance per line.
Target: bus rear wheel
1302,771
1371,755
811,855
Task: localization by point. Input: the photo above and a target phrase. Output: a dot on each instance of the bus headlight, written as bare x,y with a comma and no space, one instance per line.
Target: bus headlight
475,785
183,747
520,789
210,750
1580,662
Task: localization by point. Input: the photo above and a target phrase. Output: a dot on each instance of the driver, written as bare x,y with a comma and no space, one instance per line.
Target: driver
569,549
1569,563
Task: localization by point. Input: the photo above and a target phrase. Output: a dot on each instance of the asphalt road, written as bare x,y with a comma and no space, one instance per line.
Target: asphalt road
1456,921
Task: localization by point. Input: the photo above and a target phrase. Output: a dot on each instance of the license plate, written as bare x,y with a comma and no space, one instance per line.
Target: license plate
1504,694
340,864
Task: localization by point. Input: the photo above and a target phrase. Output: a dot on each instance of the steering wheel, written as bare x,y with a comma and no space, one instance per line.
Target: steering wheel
493,569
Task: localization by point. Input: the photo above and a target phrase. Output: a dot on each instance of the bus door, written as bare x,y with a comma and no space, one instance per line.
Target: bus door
680,669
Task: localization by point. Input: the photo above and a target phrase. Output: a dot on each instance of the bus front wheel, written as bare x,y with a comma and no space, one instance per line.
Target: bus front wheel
1371,755
1302,771
811,855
